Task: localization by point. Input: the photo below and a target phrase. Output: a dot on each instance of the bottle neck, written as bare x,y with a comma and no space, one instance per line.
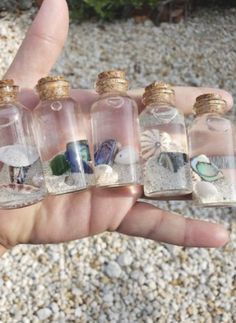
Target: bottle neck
7,96
209,109
111,85
54,92
160,100
112,93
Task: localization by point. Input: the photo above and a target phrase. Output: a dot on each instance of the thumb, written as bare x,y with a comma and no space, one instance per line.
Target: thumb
42,45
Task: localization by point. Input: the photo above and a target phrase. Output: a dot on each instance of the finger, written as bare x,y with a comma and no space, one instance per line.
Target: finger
2,250
144,220
186,96
42,44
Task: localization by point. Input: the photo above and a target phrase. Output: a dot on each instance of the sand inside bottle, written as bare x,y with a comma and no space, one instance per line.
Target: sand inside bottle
67,182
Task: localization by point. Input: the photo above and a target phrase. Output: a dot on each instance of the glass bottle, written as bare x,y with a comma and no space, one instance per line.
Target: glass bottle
164,144
115,132
61,138
212,153
21,175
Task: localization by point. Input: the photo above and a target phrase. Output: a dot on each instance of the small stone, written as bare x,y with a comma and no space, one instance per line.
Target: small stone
113,270
44,313
108,298
125,259
54,307
78,312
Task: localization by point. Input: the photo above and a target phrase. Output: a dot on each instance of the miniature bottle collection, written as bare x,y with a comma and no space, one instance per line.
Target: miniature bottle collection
47,151
164,144
61,138
21,175
115,133
212,152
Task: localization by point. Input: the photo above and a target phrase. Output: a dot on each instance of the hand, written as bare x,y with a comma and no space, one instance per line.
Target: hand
77,215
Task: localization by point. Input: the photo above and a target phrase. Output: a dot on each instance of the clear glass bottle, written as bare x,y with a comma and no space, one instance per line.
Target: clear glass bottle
115,132
164,144
21,175
62,138
212,153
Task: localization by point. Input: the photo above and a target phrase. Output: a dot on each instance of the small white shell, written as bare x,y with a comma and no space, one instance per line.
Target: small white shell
38,180
18,155
206,190
126,156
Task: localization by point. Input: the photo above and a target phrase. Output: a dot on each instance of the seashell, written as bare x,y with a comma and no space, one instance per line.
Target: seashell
205,169
206,190
105,152
127,156
38,180
172,161
59,165
153,142
18,155
105,175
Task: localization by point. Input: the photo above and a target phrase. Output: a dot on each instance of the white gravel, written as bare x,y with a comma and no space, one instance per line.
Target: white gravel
91,280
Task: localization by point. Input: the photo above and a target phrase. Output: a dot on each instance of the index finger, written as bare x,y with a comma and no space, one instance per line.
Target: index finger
42,45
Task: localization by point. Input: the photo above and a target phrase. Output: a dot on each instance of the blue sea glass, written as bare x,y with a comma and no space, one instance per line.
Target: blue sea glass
105,152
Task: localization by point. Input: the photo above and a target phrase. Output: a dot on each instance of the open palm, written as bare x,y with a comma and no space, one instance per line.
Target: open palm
72,216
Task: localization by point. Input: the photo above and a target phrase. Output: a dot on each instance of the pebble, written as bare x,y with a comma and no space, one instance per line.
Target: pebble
44,313
113,270
125,259
78,312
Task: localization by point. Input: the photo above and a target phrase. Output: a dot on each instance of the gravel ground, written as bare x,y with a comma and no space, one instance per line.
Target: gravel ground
113,278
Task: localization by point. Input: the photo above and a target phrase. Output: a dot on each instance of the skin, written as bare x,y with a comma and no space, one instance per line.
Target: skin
74,216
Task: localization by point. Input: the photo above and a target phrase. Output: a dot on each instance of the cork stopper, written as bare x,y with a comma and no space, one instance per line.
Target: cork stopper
53,87
209,103
109,81
8,91
159,93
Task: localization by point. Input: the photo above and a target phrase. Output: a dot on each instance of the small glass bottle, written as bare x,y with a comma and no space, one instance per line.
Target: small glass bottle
61,138
115,132
21,175
164,144
212,153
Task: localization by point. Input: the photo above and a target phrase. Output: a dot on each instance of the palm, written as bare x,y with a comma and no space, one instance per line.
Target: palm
72,216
